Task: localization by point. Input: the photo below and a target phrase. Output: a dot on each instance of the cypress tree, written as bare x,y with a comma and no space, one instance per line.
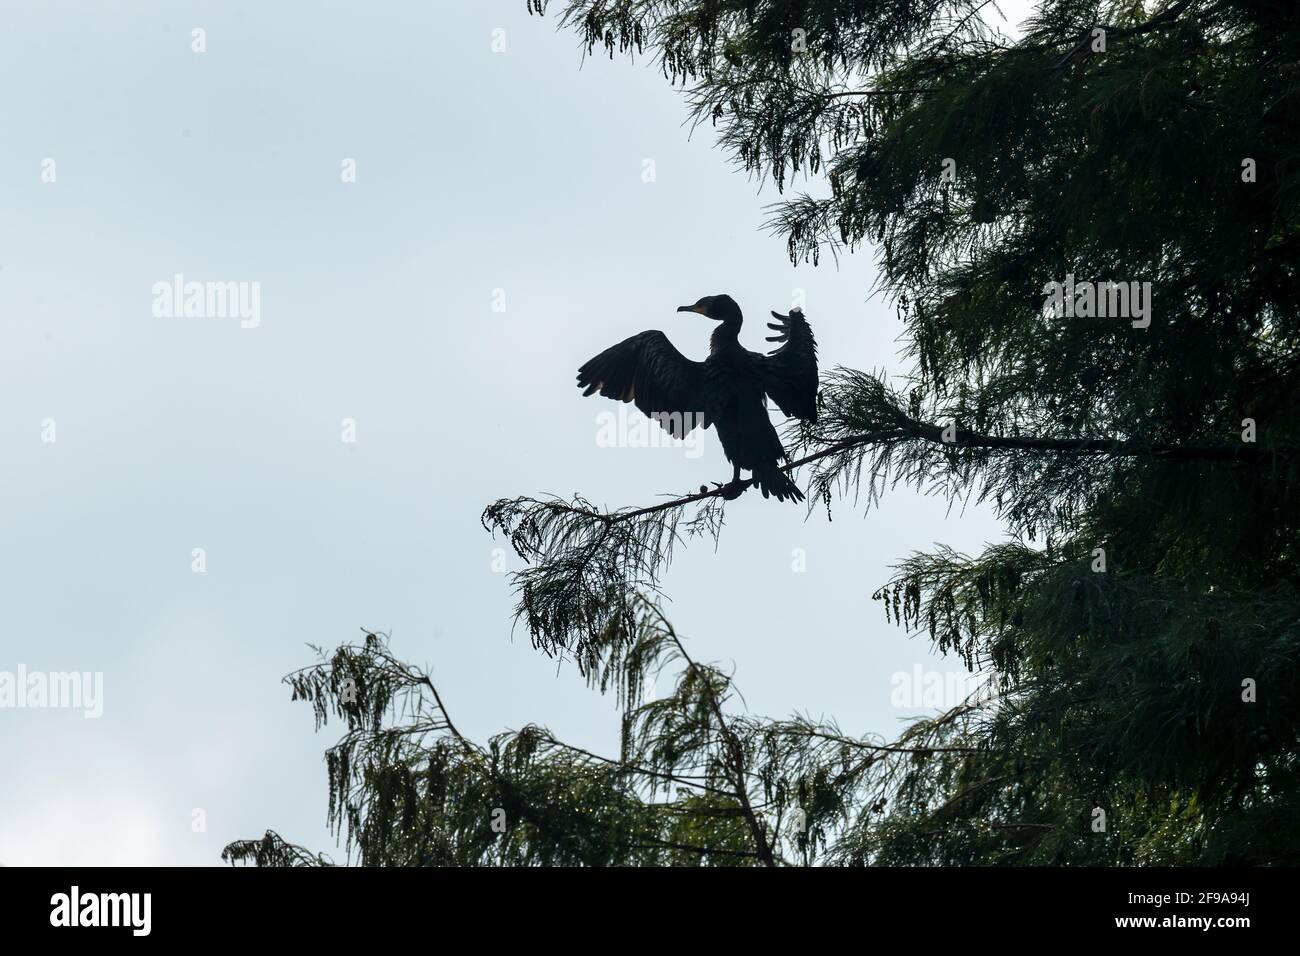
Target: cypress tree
1090,233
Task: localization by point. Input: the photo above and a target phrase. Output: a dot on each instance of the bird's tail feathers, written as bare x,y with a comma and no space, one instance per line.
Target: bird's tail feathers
771,480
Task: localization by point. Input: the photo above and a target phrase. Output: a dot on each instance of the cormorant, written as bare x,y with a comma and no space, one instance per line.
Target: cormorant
726,389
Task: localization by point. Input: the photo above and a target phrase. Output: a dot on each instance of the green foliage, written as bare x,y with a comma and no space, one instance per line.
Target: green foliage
1121,686
692,785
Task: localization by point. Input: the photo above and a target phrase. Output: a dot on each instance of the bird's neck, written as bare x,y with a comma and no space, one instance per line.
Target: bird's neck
726,334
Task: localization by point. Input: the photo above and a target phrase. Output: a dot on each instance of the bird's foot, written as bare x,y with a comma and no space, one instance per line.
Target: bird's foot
733,489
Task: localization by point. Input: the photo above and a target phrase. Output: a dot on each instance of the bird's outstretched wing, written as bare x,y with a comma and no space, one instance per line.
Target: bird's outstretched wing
648,370
789,371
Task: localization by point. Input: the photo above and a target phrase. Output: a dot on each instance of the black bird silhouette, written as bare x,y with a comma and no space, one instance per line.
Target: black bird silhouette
725,390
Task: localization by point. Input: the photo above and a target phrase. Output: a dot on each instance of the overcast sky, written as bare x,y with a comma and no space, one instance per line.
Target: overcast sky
482,179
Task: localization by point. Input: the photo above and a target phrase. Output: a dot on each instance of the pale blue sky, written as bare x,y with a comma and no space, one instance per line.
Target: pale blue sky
475,171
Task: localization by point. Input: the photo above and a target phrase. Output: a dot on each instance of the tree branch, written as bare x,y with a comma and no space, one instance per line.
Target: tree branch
962,438
633,769
764,850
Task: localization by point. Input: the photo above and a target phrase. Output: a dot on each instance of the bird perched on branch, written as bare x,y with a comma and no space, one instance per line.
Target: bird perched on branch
726,390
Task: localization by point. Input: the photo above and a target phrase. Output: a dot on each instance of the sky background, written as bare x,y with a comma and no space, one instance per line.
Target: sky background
476,171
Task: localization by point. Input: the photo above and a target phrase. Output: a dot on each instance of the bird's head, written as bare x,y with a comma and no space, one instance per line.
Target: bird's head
720,308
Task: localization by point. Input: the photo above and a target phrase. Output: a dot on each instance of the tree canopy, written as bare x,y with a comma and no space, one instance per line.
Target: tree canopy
1089,231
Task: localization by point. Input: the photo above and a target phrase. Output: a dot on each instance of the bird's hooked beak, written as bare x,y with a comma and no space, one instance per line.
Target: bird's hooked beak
689,308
